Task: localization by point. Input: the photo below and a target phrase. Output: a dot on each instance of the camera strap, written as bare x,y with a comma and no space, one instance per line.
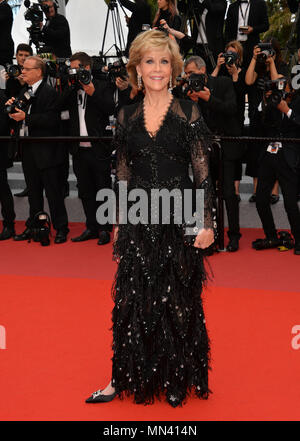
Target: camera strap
244,15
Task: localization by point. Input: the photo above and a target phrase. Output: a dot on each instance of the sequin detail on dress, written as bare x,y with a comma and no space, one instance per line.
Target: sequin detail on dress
160,341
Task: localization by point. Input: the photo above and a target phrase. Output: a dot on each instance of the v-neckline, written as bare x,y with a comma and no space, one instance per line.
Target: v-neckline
152,135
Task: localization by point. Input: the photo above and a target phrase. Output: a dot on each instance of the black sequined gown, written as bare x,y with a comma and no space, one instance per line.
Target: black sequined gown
160,342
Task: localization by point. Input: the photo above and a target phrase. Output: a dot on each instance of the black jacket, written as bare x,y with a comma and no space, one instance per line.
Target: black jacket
44,120
173,22
6,41
258,20
141,14
220,114
5,151
285,127
98,107
214,23
57,35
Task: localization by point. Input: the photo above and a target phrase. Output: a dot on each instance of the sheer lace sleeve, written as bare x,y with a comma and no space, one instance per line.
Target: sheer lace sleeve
199,146
120,145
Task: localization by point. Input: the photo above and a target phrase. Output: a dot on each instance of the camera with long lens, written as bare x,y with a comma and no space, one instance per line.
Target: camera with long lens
13,70
79,75
230,57
277,87
266,52
20,103
195,82
34,13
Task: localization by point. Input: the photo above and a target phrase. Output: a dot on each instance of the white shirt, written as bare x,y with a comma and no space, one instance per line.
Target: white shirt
82,97
24,128
243,19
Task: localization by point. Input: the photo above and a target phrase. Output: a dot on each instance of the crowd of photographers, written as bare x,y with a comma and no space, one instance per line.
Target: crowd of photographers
57,93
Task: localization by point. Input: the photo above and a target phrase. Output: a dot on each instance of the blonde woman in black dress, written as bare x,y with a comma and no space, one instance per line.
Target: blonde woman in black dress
160,342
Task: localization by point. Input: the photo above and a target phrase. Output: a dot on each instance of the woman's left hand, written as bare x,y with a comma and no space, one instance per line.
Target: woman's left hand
204,238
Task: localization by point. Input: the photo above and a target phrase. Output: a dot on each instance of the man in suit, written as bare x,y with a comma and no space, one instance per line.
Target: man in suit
141,14
6,198
6,41
56,31
42,162
89,107
246,19
209,35
217,102
280,161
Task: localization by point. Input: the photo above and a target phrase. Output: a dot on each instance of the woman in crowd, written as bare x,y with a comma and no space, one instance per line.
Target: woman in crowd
271,68
167,10
234,69
160,340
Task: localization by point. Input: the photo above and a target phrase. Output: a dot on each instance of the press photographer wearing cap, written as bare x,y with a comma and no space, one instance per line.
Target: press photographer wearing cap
56,31
36,114
279,161
218,105
90,102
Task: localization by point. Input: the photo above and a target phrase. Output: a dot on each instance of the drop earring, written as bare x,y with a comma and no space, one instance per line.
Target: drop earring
139,81
171,83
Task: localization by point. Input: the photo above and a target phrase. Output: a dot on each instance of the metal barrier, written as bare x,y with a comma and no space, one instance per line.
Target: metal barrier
214,139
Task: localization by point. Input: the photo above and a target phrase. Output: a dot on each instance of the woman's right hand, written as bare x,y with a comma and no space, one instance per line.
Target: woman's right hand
220,60
256,51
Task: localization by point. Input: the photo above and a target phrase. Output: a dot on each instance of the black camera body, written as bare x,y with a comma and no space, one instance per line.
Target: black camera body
58,68
34,13
266,52
20,103
195,82
117,69
77,76
278,90
230,57
13,70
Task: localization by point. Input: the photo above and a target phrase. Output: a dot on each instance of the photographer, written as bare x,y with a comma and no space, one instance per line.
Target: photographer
210,16
6,41
167,10
89,102
266,64
246,19
56,31
279,162
6,198
217,102
141,14
230,64
35,113
13,75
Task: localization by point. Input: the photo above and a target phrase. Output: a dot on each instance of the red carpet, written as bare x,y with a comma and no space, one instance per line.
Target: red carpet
55,307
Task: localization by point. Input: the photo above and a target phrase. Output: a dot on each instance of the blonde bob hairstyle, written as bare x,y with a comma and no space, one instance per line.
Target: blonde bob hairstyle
153,40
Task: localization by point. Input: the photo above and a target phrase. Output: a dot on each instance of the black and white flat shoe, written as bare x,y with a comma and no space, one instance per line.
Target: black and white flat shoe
98,397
